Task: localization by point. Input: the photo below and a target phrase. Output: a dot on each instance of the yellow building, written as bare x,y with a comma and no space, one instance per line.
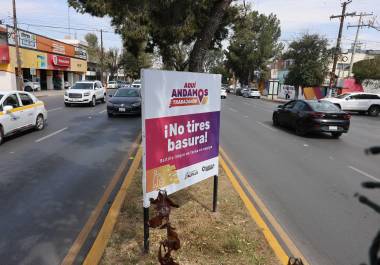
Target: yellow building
47,61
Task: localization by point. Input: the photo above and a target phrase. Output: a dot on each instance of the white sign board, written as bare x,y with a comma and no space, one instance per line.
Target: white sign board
25,39
180,121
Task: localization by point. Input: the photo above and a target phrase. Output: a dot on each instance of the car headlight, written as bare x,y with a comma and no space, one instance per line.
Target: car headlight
136,104
86,94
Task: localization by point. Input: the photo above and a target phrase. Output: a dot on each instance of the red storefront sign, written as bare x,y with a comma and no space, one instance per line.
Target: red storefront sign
4,54
60,61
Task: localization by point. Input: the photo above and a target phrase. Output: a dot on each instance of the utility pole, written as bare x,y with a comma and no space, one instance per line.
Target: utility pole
101,56
68,20
358,26
19,79
337,48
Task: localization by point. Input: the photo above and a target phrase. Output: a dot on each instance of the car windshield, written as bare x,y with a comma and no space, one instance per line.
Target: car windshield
323,106
83,86
130,93
342,96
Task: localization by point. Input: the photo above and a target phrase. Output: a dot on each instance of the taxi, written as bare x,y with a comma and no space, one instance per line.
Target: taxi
20,111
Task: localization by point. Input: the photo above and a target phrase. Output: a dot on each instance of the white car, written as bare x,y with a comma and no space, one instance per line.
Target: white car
136,84
223,93
85,92
31,86
113,85
358,102
20,111
251,93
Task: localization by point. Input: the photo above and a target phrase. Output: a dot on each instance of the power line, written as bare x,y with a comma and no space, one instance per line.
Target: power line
61,27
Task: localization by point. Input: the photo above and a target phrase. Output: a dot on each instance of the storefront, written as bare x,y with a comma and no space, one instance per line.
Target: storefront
44,60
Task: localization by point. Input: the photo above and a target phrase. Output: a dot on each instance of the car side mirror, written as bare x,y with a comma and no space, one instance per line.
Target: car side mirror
347,98
7,109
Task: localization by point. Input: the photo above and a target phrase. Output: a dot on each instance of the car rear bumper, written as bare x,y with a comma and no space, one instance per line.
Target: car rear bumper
340,126
123,110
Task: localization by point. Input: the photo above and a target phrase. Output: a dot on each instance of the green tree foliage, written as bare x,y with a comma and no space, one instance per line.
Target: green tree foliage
132,64
367,69
93,50
254,42
166,25
310,55
112,61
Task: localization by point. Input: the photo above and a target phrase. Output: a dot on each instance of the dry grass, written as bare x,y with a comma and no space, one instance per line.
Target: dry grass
226,237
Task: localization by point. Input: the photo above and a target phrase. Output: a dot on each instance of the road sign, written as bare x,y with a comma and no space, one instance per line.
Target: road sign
181,120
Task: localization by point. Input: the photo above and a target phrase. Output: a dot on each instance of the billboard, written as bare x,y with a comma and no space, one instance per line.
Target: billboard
25,39
181,121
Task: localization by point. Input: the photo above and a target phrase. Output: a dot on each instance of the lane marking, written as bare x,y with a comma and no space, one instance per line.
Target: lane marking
50,135
364,173
266,126
100,112
50,110
268,215
232,109
96,252
93,218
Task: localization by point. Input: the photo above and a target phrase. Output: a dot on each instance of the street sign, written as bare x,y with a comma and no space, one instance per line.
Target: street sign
181,120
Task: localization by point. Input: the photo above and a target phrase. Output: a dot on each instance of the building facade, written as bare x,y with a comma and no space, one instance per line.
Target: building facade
47,61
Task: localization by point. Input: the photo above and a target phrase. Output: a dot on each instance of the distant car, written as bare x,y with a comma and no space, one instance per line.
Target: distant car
113,84
124,101
223,93
251,93
136,83
358,102
306,116
66,85
20,111
85,92
31,86
241,91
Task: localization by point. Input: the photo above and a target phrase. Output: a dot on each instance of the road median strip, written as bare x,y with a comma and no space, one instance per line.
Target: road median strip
229,168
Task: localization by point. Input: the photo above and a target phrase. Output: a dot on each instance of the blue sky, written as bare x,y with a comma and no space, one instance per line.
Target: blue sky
296,16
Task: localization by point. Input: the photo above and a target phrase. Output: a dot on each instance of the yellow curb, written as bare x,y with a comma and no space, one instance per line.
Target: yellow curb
82,236
97,249
273,242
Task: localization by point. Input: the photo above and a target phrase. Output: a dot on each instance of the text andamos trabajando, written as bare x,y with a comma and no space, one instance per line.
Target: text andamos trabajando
189,95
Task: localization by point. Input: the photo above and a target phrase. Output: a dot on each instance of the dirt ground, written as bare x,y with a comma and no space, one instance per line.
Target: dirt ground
228,236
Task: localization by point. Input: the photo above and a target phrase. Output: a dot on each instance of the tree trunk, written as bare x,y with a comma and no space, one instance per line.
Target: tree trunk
203,42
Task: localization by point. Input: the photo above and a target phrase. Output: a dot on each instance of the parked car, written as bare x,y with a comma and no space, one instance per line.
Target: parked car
85,92
31,86
124,101
241,91
251,93
358,102
20,111
306,116
223,93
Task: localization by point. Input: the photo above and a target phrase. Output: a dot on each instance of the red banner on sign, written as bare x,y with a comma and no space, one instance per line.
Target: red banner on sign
59,61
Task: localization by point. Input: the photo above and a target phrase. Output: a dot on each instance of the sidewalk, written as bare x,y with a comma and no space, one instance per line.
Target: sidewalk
275,99
48,93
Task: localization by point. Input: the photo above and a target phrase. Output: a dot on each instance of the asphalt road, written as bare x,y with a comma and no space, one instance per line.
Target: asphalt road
308,183
51,180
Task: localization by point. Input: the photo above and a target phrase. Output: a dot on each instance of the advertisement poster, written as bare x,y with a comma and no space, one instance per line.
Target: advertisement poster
25,39
181,122
286,92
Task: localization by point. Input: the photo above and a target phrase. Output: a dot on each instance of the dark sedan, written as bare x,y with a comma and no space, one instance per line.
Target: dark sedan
124,101
306,116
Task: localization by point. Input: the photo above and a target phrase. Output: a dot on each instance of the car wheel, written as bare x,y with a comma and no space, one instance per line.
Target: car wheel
374,111
300,130
93,102
104,99
40,122
67,104
28,89
276,122
336,135
1,135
